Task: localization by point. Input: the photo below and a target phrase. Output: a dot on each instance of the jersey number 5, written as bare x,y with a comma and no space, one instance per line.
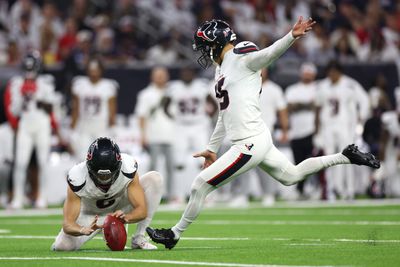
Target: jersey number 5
221,94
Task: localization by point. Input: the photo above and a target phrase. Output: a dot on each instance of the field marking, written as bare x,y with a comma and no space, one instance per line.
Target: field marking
4,231
190,263
253,206
309,244
223,222
306,212
215,238
366,240
99,237
229,238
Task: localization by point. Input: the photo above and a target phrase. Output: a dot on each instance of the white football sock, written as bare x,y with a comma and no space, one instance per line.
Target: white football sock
152,183
200,189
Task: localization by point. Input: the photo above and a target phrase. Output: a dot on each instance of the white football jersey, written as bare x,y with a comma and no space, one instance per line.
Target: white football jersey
159,127
271,101
302,123
26,94
189,101
93,100
238,87
341,103
94,200
238,91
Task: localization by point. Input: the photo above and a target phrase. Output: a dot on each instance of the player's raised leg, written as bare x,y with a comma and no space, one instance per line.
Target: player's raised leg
152,183
279,167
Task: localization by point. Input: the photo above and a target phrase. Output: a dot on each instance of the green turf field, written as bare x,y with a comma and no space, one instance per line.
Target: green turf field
322,236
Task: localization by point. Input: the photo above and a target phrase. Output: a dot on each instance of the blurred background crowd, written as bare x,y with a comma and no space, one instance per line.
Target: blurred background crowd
148,32
126,69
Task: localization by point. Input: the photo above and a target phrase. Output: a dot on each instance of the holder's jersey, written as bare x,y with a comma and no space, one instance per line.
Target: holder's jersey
189,100
238,91
94,200
93,99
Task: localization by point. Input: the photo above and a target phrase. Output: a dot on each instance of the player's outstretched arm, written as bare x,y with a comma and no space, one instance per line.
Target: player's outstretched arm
72,207
137,199
263,58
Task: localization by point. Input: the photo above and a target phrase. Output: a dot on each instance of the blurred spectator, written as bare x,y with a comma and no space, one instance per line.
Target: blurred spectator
187,103
380,103
162,53
84,49
68,40
155,126
301,105
26,37
51,28
23,9
94,107
345,43
127,46
127,31
341,104
13,55
317,46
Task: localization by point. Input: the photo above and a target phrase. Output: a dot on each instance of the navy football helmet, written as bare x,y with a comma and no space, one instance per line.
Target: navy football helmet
103,162
210,38
32,64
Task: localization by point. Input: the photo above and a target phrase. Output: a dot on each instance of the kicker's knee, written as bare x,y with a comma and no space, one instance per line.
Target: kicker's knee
291,176
154,178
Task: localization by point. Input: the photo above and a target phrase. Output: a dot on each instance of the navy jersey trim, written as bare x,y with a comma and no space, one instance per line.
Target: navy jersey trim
75,188
246,49
129,175
230,170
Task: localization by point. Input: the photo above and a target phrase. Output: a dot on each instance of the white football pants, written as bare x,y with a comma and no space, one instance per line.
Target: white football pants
243,156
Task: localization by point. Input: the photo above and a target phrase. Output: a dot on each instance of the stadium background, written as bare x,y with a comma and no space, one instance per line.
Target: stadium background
132,37
126,34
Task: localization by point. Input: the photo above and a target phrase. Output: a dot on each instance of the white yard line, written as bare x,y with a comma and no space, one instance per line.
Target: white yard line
4,231
221,222
223,207
227,239
309,244
366,240
188,263
224,222
300,212
215,238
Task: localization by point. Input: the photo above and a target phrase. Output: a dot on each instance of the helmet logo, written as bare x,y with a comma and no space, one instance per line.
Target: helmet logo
208,33
118,156
89,156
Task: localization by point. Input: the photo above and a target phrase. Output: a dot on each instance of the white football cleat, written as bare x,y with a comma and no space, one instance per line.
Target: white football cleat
141,242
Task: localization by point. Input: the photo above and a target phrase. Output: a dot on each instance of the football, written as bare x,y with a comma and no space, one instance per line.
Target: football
114,233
